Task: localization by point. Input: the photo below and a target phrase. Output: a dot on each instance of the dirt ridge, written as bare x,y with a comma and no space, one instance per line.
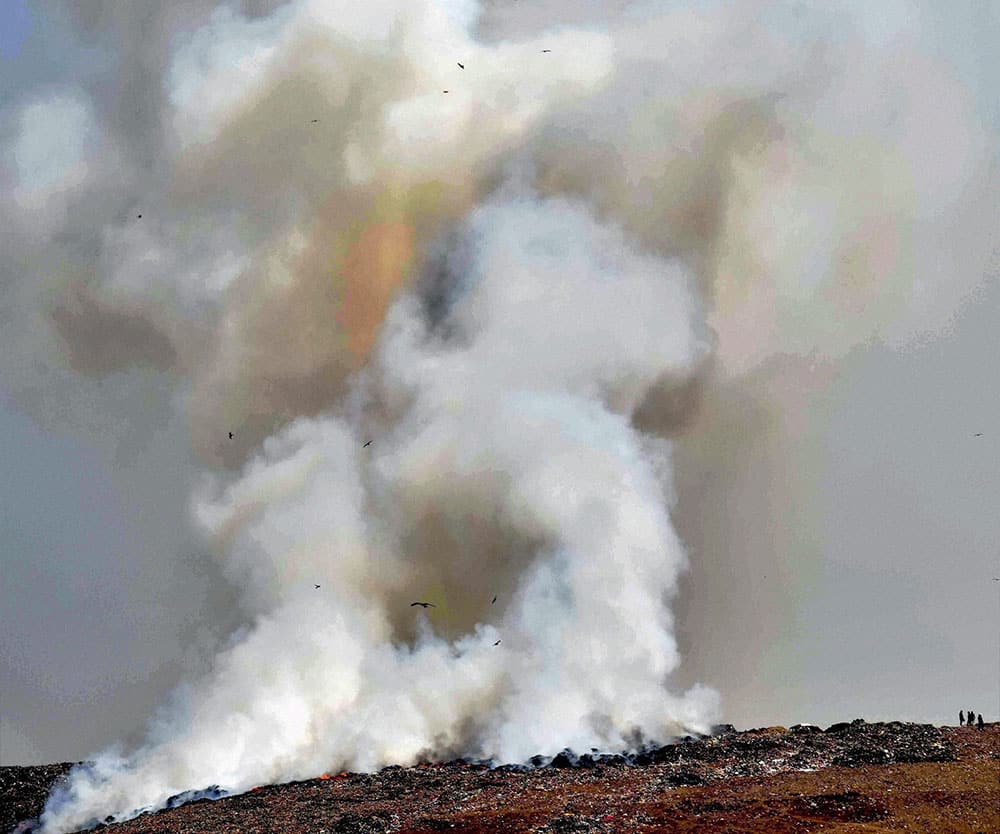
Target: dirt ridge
854,777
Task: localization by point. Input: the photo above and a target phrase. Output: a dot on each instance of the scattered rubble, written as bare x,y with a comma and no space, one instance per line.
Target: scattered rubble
23,791
849,806
708,782
572,823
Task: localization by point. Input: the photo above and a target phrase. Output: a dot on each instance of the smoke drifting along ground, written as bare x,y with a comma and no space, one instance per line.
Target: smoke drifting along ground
525,290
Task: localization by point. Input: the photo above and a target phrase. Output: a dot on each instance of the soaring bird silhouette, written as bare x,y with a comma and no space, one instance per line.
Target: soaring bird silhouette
316,586
546,50
423,604
315,121
494,600
461,65
230,435
369,443
975,435
497,643
139,216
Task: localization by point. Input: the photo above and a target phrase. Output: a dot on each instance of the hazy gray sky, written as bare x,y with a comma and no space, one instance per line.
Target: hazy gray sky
894,613
839,513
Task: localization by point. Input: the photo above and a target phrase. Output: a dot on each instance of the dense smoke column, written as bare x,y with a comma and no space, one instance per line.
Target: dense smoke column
512,465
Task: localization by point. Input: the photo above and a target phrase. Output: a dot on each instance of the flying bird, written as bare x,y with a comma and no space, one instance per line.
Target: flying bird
546,50
315,121
316,586
369,443
980,434
230,435
494,600
139,216
445,91
423,604
497,643
461,65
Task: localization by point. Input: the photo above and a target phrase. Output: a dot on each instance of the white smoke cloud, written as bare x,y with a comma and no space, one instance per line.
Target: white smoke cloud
51,157
517,432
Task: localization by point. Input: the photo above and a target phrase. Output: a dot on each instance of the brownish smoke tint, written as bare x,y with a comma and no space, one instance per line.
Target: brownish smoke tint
374,268
747,513
303,320
679,208
101,337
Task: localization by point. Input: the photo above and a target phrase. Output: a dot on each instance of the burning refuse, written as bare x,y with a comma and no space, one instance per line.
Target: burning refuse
702,761
523,299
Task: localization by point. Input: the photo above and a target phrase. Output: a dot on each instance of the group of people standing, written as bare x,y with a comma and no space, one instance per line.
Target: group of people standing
971,720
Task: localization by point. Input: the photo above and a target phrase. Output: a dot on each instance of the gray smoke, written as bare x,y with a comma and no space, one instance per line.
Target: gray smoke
585,296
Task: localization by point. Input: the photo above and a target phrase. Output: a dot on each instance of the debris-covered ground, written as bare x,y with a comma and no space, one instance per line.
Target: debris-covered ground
23,791
858,777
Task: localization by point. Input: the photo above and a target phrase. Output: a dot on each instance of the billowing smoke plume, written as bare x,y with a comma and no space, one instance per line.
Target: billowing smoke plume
508,468
522,280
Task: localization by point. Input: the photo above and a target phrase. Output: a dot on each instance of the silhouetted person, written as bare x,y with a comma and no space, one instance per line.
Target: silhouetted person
423,604
961,718
970,717
979,721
